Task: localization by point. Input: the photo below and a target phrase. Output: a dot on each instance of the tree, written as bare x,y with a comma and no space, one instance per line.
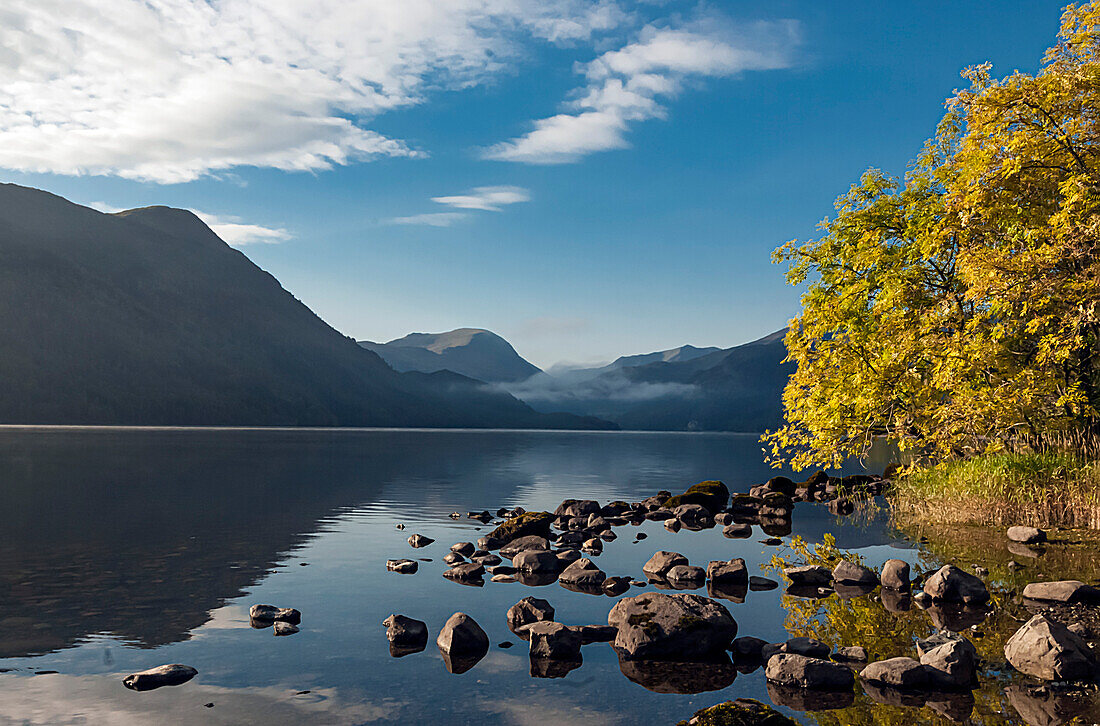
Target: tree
956,312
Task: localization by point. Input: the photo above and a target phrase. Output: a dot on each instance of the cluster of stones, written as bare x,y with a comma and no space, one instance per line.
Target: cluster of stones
283,621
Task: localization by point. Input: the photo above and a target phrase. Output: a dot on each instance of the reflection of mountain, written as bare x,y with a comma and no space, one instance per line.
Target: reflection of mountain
732,389
147,317
471,352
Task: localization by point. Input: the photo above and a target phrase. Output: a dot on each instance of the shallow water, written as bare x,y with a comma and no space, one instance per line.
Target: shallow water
125,549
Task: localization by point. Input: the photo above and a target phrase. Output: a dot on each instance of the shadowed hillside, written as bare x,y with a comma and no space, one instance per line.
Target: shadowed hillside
147,317
472,352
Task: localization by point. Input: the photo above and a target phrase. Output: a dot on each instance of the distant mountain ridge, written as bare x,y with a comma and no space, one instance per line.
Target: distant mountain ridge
147,317
674,355
471,352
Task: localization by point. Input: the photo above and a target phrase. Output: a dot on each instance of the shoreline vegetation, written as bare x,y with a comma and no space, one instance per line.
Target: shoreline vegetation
955,312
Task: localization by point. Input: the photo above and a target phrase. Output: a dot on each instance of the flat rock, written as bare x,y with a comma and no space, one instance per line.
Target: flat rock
172,674
536,561
737,531
851,654
1062,591
759,584
530,542
809,575
791,669
465,571
405,567
686,573
732,572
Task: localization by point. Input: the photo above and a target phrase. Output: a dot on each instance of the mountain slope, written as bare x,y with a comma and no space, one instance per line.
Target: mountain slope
731,389
147,317
472,352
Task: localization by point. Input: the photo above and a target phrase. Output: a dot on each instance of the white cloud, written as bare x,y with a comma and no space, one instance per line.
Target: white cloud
486,199
434,219
236,233
171,90
629,85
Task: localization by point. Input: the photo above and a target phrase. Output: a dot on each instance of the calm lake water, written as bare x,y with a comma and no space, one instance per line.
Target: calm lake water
125,549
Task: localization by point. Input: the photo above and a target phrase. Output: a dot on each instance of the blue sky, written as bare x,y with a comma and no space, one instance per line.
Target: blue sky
588,179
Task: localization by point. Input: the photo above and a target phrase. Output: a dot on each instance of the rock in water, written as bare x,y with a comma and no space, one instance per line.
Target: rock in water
166,675
536,561
529,610
733,572
685,575
790,669
1065,591
953,663
531,523
1046,649
950,584
283,628
902,673
554,640
661,562
583,573
419,540
742,712
461,636
853,574
405,567
808,575
406,632
895,574
655,626
1027,535
712,495
270,613
520,544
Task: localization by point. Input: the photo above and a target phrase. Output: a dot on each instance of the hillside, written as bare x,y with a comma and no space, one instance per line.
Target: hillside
147,317
472,352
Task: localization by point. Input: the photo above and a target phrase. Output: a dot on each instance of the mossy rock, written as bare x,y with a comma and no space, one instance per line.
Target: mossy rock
524,525
742,712
712,495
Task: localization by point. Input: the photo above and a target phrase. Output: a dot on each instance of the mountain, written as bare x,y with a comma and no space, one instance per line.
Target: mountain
472,352
675,355
731,389
148,317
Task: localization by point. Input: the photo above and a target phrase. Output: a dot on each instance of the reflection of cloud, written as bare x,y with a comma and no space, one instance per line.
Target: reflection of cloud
63,700
569,386
527,712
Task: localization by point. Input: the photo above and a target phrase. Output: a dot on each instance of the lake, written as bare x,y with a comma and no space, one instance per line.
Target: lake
124,549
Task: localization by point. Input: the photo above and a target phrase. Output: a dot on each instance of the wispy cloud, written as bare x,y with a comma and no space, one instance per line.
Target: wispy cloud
486,199
630,84
172,90
480,199
432,219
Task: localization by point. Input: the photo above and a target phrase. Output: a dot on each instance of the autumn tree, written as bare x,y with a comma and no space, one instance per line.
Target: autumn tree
955,311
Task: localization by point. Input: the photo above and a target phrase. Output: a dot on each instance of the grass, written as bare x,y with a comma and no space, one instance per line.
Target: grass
1041,489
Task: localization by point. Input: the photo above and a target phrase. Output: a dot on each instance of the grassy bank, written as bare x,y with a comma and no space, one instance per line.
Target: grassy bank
1051,489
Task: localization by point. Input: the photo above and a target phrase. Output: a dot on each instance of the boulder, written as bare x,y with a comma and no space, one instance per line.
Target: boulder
405,567
661,562
741,712
895,574
463,548
686,573
1027,535
461,636
453,558
405,632
594,633
850,573
808,647
781,484
747,647
530,523
487,560
927,645
172,674
761,584
673,525
733,572
615,586
593,546
737,531
711,495
791,669
583,573
270,613
465,572
536,561
577,508
488,543
808,575
529,610
902,673
671,627
953,664
851,654
950,584
520,544
1046,649
284,628
1062,591
695,516
554,640
419,540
